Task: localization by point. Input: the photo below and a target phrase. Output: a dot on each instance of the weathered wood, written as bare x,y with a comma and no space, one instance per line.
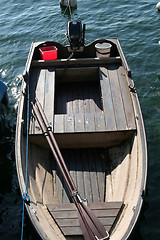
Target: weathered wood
33,82
84,140
71,62
66,215
87,169
79,122
93,176
49,94
127,103
117,98
95,113
100,164
40,94
79,172
42,85
78,97
100,122
69,123
107,100
89,122
59,123
87,179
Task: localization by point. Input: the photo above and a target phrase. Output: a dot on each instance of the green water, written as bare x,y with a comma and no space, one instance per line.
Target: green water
136,25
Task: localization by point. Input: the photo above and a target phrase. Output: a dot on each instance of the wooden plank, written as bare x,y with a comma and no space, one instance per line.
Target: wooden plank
66,215
75,99
81,61
69,100
72,231
39,93
100,122
49,94
73,214
128,107
117,98
33,83
97,94
79,172
61,190
69,122
107,100
87,179
74,222
80,98
79,122
65,192
59,123
89,122
72,160
71,206
93,176
86,99
100,161
57,179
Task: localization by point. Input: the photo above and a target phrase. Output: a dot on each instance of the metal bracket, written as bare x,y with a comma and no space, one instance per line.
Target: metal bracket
132,88
81,200
107,237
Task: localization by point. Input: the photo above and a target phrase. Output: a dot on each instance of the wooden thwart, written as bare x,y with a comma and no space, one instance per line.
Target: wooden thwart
66,215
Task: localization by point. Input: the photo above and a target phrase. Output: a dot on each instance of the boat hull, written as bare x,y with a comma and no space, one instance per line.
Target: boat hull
98,125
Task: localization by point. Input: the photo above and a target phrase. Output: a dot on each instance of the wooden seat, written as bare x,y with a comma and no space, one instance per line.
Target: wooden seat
66,215
93,107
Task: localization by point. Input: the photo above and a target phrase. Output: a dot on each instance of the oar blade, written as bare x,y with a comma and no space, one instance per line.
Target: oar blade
95,223
91,227
87,233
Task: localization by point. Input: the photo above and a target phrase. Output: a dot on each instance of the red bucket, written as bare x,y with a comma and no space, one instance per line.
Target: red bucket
48,53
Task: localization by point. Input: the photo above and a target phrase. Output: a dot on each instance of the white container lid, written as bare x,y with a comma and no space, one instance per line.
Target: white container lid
104,45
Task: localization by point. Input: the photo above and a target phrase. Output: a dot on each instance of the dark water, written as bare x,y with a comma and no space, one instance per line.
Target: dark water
136,24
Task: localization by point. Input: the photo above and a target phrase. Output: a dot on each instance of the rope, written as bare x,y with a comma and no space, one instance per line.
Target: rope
25,197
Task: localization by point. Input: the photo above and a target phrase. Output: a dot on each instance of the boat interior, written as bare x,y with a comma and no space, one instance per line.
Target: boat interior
91,114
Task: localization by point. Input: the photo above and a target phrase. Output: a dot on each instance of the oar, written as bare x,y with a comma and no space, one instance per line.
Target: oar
91,227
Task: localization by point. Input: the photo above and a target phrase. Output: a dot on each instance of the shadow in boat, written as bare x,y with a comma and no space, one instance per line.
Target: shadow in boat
88,167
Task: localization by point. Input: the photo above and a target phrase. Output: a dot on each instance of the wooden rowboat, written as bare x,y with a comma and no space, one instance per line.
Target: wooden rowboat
92,107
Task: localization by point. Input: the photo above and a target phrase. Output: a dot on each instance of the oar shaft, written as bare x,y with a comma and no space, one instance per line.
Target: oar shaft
54,143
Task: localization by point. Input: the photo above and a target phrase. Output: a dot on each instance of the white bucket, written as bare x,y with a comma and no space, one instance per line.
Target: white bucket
103,49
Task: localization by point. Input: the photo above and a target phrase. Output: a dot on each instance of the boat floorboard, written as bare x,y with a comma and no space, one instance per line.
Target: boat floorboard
66,215
87,168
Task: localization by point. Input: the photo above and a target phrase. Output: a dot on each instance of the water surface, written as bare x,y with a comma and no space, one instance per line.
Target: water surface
136,25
